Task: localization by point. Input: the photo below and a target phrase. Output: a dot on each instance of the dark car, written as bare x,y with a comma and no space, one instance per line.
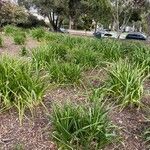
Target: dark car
97,34
136,36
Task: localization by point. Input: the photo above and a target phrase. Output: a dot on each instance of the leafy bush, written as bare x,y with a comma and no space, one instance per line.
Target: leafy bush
81,126
20,86
38,33
126,83
19,39
1,41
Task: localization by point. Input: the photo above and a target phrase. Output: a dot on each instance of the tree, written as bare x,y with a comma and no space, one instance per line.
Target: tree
54,10
97,10
125,11
74,12
12,14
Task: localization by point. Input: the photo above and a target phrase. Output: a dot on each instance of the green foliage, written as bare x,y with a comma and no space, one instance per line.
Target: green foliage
10,30
24,51
20,85
19,39
140,54
18,147
81,126
38,33
111,50
64,73
49,37
50,52
147,137
126,83
86,58
11,13
1,41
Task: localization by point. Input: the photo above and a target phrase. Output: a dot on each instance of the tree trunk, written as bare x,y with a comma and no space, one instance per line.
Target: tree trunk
55,23
95,26
72,23
148,22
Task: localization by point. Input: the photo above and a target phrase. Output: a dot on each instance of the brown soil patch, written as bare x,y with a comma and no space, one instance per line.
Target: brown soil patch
12,49
35,132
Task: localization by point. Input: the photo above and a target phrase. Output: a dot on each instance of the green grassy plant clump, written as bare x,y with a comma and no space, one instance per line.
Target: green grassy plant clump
52,37
140,55
1,41
20,86
24,51
64,73
146,137
126,83
81,127
86,58
38,33
10,30
19,39
49,53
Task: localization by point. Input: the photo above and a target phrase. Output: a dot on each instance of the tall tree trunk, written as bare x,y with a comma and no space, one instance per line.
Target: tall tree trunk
95,26
55,23
148,22
72,23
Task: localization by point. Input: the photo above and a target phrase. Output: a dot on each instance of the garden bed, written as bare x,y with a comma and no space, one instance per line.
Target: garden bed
55,69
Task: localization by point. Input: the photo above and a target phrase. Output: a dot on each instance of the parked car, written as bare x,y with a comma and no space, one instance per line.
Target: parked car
98,34
136,36
63,30
103,33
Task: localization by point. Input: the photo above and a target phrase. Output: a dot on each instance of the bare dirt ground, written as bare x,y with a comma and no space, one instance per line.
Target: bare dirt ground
35,131
12,49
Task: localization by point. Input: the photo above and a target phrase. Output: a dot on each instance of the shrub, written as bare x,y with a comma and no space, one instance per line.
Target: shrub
19,39
126,83
20,86
81,126
38,33
1,41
